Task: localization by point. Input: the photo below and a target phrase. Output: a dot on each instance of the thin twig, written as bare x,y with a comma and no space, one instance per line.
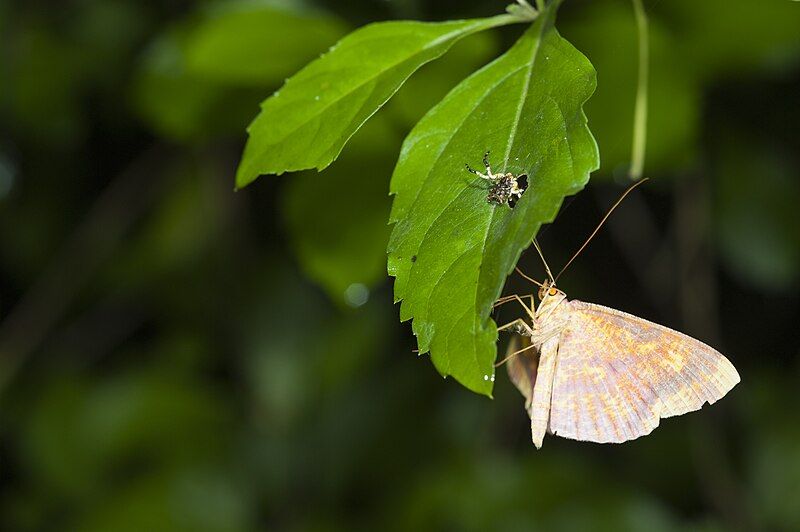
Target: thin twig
640,107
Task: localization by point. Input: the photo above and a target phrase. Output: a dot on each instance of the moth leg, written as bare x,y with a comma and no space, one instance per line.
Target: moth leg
514,352
514,297
518,326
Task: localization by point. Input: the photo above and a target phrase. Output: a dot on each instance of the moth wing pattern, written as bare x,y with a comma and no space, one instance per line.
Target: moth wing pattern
617,375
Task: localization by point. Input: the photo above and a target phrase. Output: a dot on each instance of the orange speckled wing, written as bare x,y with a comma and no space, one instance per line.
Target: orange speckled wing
617,375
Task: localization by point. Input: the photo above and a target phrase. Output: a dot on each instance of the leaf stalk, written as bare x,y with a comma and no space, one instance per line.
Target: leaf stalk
524,11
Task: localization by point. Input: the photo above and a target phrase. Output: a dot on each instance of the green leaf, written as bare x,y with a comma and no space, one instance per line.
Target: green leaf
450,250
249,43
179,105
338,225
307,123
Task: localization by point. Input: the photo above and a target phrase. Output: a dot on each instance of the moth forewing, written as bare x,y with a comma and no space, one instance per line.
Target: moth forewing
618,375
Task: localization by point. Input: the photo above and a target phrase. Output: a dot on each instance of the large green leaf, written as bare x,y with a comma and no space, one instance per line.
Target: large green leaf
307,122
450,250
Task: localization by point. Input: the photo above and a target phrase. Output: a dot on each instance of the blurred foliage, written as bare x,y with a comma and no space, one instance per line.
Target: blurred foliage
236,42
606,33
185,372
757,192
337,221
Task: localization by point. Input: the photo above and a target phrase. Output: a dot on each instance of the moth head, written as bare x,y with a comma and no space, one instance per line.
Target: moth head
548,289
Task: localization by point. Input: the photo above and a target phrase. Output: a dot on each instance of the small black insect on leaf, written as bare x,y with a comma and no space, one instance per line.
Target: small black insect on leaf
504,189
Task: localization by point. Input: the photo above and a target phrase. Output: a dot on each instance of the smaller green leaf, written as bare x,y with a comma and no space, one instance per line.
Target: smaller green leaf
307,123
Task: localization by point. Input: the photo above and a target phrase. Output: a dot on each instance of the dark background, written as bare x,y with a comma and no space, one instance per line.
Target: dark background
177,356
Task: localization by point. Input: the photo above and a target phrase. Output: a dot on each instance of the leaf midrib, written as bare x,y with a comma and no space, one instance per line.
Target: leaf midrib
482,245
523,99
444,148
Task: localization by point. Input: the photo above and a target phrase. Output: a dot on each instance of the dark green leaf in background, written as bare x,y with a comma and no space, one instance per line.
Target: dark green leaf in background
203,77
451,251
178,105
607,32
338,224
249,43
306,123
723,39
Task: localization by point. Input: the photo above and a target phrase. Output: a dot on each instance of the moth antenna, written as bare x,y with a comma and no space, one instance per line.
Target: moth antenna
515,353
596,229
541,256
534,281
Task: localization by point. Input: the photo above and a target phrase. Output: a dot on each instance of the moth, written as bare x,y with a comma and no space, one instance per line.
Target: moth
593,373
504,189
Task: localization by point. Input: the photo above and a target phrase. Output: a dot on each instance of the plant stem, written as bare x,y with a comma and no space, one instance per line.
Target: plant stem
640,108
